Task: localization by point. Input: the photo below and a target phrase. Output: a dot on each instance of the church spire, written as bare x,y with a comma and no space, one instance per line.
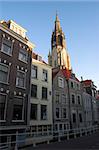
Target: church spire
57,19
57,23
59,55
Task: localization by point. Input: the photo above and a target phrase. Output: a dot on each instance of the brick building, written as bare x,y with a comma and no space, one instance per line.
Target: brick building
15,70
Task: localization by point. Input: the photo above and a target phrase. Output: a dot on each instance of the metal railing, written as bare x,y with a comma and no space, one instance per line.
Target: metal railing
28,138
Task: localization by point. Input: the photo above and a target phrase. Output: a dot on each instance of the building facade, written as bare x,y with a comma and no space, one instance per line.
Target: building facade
61,119
89,87
76,102
41,95
87,101
15,70
59,59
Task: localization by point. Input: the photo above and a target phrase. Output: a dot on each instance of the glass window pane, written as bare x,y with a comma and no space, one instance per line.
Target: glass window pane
2,106
23,55
34,72
3,73
20,79
43,112
33,113
17,109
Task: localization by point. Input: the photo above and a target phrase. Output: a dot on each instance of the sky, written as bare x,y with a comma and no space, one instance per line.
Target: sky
79,21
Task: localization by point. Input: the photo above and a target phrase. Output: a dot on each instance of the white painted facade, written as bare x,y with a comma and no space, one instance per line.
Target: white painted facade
87,101
39,82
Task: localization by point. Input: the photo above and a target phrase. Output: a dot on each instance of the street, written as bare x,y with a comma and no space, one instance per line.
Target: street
80,143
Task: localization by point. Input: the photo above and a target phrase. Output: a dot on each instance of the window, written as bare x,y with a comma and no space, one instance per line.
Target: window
78,97
78,86
18,113
3,73
7,46
60,126
74,118
80,117
60,82
45,74
57,112
34,72
20,79
33,114
43,112
44,93
63,98
57,98
56,127
73,99
65,127
23,55
72,85
64,112
33,90
2,106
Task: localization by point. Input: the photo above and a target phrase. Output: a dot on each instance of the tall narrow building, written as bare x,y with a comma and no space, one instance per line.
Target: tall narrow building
58,55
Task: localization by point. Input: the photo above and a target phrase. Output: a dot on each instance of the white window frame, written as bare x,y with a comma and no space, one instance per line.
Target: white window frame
2,47
80,100
61,84
43,75
25,51
8,73
31,72
42,119
22,109
63,113
4,120
74,99
56,101
64,96
42,93
24,79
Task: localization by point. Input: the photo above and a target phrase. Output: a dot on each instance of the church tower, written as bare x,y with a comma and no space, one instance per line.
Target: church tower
58,55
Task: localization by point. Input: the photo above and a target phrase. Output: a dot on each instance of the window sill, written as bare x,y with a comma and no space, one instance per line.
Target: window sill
44,81
17,120
44,99
2,120
20,87
23,61
34,78
33,119
6,53
4,82
34,97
